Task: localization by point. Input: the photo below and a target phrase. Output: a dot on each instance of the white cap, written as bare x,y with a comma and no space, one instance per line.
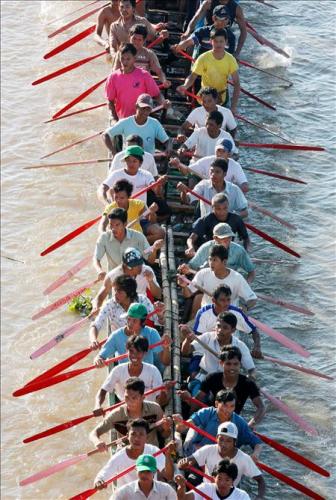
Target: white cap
228,429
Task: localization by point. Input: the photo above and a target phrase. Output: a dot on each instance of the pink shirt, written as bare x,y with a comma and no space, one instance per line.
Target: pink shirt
124,89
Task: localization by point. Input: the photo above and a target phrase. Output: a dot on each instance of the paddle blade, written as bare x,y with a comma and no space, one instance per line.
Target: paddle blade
84,495
78,99
76,21
77,112
53,469
286,305
58,428
256,98
300,368
68,275
70,236
291,482
291,147
272,240
281,338
70,42
272,174
264,211
293,455
290,413
68,68
71,13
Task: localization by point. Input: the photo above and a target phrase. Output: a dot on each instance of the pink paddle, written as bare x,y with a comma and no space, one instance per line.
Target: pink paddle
286,305
295,366
68,275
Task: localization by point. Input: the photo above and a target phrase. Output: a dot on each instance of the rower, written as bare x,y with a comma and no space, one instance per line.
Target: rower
138,431
148,162
136,406
123,86
200,38
116,239
135,325
215,67
145,486
238,258
209,419
198,116
133,266
230,378
208,279
206,317
214,185
145,58
203,140
124,294
136,348
210,455
148,128
233,10
203,228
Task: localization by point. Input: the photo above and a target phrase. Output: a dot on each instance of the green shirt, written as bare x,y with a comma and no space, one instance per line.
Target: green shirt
238,257
113,249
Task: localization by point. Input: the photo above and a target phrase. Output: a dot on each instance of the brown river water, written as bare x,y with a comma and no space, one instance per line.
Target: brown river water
40,206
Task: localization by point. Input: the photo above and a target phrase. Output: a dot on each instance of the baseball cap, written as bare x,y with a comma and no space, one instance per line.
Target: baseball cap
220,12
136,311
146,463
144,101
222,230
133,151
228,429
224,144
132,257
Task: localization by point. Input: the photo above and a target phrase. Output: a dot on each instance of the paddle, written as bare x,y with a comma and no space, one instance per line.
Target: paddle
266,468
260,233
288,452
290,147
76,21
286,305
76,232
249,65
70,42
64,300
69,164
88,493
300,368
257,125
267,4
77,112
80,141
78,99
272,174
197,490
58,338
71,13
68,68
68,275
290,413
64,464
263,211
155,42
57,379
263,41
79,420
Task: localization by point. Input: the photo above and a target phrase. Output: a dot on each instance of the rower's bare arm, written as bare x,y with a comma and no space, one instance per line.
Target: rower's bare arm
98,443
236,91
200,13
256,351
242,26
98,268
190,252
250,277
187,128
102,192
261,487
259,413
101,22
107,140
103,293
93,336
100,398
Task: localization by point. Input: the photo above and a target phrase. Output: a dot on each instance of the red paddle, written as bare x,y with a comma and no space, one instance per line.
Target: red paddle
76,21
78,99
291,147
249,65
71,13
80,141
272,174
70,42
77,112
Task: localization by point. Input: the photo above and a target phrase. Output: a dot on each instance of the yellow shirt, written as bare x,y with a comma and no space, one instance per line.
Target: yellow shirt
135,207
215,72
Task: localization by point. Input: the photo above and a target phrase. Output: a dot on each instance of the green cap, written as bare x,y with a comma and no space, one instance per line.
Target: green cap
133,151
137,311
146,463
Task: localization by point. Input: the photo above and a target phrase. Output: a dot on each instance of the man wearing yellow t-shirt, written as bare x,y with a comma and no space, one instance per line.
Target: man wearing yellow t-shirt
215,67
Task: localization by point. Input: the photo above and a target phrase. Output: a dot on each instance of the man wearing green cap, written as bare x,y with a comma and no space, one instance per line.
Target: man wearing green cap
146,486
116,343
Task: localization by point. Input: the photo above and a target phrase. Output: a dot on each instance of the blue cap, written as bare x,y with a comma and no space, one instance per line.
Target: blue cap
225,144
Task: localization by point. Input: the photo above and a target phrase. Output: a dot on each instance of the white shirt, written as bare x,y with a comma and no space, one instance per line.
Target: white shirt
115,381
121,461
204,144
237,200
210,363
139,181
235,173
199,115
142,283
206,319
210,490
160,491
148,163
208,455
238,285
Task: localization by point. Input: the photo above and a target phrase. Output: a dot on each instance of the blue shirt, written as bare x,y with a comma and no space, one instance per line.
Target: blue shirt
116,344
150,131
207,420
201,39
238,257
